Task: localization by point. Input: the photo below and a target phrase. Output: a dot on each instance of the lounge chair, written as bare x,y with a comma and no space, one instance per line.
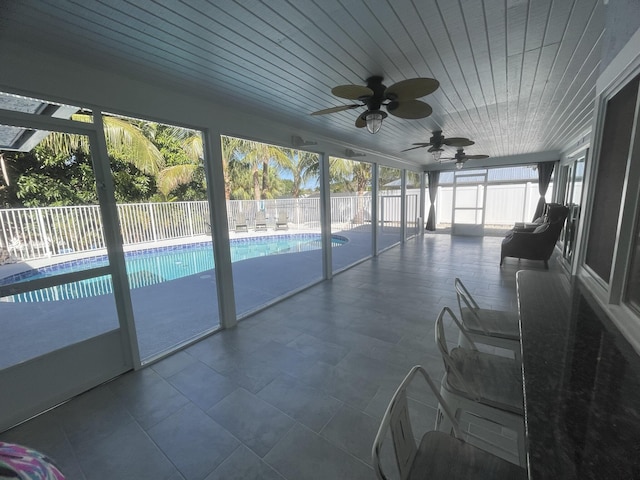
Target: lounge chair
282,222
261,221
241,222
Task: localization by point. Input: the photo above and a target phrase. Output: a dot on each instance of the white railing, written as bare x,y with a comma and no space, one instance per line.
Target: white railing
30,233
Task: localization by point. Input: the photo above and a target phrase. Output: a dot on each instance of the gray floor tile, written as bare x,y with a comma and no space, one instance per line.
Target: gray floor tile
148,396
344,385
286,359
306,404
303,454
126,453
173,364
202,385
352,431
92,416
45,435
318,350
346,344
193,441
243,464
255,422
251,373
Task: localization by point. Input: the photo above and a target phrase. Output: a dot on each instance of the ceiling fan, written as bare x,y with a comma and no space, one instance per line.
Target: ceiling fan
460,157
437,141
399,100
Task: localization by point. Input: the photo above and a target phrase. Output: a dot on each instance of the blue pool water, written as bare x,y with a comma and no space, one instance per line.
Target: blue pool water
155,265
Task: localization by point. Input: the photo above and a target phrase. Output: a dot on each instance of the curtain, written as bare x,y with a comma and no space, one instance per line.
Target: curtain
434,181
545,169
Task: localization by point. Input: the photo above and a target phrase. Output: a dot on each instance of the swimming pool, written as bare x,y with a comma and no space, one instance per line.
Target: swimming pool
151,266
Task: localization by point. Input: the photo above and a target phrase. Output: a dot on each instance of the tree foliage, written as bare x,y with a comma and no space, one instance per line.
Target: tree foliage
155,162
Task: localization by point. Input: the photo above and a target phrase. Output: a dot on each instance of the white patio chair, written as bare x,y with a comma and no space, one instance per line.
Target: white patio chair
439,455
497,328
487,387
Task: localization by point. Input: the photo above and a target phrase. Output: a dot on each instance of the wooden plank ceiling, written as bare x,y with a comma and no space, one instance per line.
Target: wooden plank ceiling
516,76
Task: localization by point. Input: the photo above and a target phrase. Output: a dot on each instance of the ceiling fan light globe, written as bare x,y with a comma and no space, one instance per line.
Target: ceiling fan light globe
437,153
459,165
374,121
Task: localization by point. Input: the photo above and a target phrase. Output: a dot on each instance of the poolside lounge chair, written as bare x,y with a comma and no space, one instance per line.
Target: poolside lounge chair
261,221
241,222
282,222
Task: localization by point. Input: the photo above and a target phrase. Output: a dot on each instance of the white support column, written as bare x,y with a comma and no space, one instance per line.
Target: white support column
403,205
325,217
374,208
421,207
113,239
214,173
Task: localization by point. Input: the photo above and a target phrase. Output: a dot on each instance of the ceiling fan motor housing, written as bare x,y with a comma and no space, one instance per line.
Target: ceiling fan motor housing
374,102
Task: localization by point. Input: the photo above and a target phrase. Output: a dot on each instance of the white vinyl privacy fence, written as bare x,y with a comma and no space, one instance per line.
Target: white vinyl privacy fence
505,205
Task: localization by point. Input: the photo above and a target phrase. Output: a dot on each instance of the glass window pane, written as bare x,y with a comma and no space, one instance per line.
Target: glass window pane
350,185
412,203
609,184
389,207
36,322
273,206
55,282
161,195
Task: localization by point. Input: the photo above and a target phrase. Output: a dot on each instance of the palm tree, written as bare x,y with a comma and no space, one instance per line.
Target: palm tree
258,156
171,177
351,176
124,140
231,149
303,166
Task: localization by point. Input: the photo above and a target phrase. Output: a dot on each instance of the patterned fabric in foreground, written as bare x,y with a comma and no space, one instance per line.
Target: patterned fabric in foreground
22,463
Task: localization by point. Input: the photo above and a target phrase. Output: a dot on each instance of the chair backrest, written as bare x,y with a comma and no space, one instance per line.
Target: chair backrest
261,217
282,217
441,342
396,419
241,218
470,305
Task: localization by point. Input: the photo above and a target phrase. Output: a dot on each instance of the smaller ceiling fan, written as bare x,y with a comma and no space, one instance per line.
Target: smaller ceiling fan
437,141
460,157
399,100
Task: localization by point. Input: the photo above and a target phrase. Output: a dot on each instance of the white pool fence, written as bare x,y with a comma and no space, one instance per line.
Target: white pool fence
30,233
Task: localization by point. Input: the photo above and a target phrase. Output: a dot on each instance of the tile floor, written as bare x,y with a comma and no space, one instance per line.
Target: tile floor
294,392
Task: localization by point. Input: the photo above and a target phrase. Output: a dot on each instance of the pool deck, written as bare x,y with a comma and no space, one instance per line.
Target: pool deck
165,314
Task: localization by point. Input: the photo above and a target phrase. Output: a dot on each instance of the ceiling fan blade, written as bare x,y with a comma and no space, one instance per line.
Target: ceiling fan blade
475,157
361,122
411,109
458,142
351,92
421,145
335,109
411,88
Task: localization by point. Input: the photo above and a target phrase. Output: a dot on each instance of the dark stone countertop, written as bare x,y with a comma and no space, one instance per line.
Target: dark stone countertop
581,384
